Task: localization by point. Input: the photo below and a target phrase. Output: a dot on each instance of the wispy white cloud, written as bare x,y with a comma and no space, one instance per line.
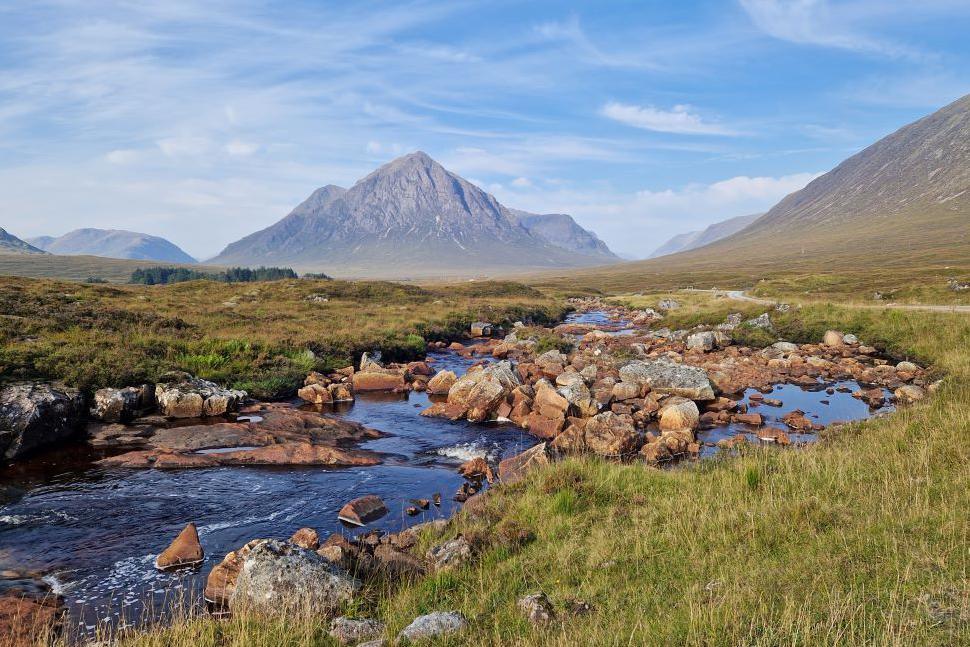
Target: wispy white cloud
186,146
122,156
635,223
678,120
207,119
826,24
571,32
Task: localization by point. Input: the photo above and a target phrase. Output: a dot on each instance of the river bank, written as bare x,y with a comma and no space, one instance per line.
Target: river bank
413,467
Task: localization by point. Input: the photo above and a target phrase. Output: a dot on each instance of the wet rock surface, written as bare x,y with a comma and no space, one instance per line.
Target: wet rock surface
36,415
184,551
268,434
363,510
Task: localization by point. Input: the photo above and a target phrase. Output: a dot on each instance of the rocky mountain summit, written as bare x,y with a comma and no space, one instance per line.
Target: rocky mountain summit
112,243
411,216
562,231
10,244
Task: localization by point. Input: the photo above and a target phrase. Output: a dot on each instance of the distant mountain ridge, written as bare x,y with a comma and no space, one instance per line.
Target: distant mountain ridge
10,244
562,230
113,243
677,243
409,217
712,233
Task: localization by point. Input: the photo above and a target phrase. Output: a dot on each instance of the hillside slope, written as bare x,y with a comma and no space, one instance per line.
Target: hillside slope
10,244
677,243
561,230
899,207
113,243
706,236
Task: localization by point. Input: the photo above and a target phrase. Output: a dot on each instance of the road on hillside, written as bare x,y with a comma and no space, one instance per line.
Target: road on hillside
739,295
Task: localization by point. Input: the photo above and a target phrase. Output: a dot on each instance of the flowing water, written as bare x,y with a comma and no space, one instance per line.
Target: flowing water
95,532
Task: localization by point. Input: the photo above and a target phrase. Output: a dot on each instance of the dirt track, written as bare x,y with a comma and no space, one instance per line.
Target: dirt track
739,295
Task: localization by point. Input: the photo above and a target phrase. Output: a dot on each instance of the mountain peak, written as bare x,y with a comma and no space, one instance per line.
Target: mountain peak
11,244
418,160
113,243
411,212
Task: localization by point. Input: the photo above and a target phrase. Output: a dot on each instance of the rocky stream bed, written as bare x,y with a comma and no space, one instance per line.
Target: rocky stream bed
89,518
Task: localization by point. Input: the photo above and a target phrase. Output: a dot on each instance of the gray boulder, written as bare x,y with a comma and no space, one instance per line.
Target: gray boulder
537,608
122,405
668,378
371,361
278,577
572,386
33,416
481,391
762,321
349,631
179,395
453,552
702,341
433,625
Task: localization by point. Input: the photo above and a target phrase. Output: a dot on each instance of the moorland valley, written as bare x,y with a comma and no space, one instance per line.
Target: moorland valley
568,450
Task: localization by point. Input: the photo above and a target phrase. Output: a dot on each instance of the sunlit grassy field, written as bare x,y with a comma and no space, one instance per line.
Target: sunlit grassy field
263,337
906,259
861,539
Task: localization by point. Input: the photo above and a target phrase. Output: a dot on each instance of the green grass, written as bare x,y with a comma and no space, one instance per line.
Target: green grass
262,337
907,256
859,540
78,268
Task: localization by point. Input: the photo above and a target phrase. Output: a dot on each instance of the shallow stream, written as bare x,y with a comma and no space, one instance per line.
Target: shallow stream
95,532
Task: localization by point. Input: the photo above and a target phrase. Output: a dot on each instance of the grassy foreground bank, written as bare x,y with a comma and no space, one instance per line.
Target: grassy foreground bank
860,540
262,337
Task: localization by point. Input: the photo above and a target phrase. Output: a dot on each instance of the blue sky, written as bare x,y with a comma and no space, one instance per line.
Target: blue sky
204,121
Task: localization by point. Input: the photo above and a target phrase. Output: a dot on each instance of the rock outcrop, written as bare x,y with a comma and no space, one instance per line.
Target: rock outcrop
432,626
278,435
669,378
516,468
481,391
184,552
280,578
34,416
363,510
122,405
179,395
29,610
